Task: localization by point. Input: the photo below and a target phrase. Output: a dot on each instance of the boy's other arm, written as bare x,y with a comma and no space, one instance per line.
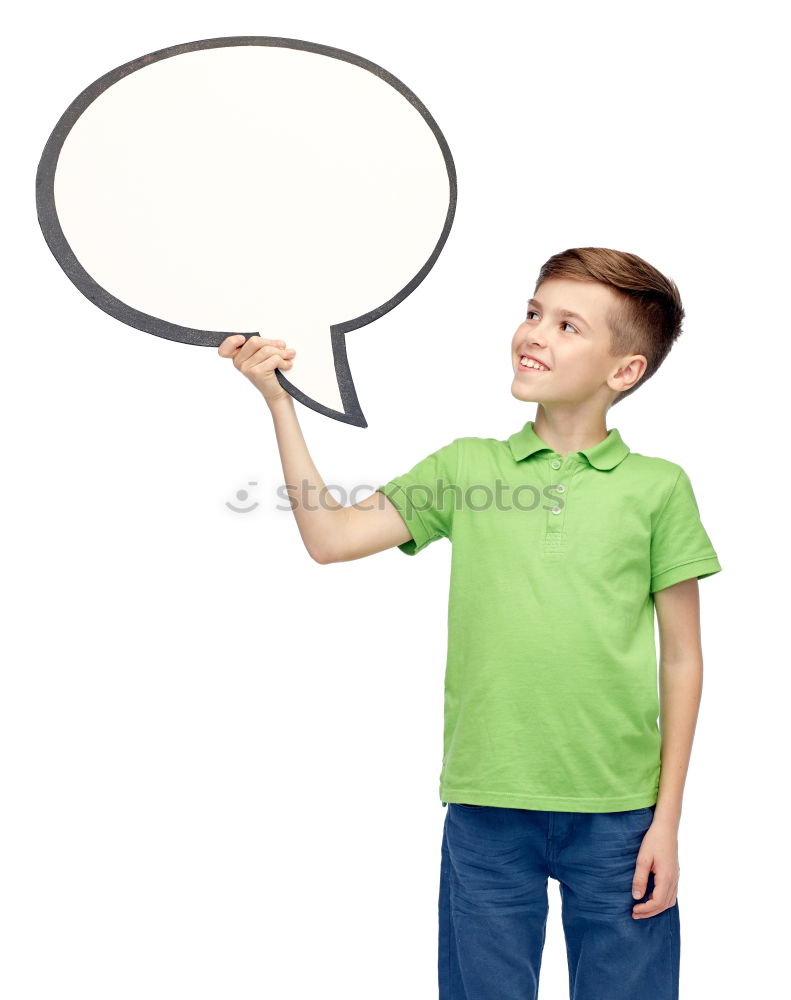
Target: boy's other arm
680,687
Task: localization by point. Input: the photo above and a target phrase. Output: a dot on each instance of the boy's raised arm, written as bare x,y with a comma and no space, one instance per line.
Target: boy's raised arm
330,531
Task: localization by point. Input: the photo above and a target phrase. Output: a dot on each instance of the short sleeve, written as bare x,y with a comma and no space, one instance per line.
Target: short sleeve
680,547
424,497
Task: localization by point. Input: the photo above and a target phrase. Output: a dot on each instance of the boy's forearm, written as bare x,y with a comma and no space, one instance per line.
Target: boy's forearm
680,687
313,505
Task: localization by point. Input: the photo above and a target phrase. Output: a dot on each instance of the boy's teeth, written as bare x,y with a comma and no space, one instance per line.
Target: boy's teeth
529,363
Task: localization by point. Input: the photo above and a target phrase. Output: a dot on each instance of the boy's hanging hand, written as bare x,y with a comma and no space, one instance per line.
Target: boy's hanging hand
658,854
257,358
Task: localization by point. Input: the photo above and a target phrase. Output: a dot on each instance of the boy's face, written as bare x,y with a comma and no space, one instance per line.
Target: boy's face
575,348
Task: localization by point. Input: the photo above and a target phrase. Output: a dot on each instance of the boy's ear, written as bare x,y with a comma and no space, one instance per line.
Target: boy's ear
632,370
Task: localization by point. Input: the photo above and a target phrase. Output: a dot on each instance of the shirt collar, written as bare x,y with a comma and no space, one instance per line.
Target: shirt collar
604,455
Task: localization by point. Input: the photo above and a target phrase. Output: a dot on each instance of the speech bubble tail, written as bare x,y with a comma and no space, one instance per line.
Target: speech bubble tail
342,390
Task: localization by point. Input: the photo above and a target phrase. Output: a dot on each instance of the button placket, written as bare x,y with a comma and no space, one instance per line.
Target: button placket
556,514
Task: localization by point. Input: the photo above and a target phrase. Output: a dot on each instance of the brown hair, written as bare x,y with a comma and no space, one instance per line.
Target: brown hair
647,319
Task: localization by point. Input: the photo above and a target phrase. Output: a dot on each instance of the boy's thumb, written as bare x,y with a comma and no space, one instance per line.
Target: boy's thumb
640,879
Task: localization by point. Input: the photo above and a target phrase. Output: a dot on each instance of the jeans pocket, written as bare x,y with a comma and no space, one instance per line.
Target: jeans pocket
633,822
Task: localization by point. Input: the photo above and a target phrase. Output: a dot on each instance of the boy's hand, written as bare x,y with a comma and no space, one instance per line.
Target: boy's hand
257,359
659,854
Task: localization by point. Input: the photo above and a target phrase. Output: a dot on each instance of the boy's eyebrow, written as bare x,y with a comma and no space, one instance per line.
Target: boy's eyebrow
561,312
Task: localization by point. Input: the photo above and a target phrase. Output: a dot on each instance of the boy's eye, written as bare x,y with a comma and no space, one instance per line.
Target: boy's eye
532,312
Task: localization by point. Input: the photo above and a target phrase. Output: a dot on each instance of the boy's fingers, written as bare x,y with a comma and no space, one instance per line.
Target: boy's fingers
662,896
261,354
232,344
648,909
664,888
253,346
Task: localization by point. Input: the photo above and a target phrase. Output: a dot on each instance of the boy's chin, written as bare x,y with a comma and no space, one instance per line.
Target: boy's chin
524,394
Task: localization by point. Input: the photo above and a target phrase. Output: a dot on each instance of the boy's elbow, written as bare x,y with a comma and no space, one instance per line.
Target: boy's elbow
328,548
318,556
322,555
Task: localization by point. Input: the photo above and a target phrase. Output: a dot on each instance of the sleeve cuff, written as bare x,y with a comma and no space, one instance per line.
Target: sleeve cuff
410,516
699,568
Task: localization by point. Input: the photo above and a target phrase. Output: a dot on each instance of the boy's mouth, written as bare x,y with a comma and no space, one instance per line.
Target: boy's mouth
531,364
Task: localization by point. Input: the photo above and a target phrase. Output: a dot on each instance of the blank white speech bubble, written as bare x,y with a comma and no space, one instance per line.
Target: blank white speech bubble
250,185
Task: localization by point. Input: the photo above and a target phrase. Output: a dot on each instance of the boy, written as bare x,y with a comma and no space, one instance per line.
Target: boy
564,542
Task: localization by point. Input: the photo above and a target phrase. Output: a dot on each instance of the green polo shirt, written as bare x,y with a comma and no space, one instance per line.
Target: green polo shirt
551,693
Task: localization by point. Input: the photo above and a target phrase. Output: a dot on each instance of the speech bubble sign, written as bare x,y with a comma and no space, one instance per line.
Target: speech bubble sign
250,185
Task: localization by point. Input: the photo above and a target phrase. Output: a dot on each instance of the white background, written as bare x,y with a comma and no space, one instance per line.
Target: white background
220,760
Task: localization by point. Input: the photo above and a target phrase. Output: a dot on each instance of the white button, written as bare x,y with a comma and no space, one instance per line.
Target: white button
555,464
560,488
555,510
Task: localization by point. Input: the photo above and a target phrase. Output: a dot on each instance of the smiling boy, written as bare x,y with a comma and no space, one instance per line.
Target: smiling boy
561,759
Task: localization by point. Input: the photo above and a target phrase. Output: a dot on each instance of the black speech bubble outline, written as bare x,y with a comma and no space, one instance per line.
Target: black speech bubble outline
53,233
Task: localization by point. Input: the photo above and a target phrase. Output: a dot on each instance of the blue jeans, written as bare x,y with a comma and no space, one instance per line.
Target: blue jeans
493,905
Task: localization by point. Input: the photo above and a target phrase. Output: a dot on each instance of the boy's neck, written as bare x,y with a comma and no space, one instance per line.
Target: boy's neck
569,429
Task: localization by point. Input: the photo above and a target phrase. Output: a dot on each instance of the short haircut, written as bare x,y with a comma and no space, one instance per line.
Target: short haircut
649,314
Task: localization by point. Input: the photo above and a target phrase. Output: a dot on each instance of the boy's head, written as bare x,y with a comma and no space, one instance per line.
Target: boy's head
628,315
